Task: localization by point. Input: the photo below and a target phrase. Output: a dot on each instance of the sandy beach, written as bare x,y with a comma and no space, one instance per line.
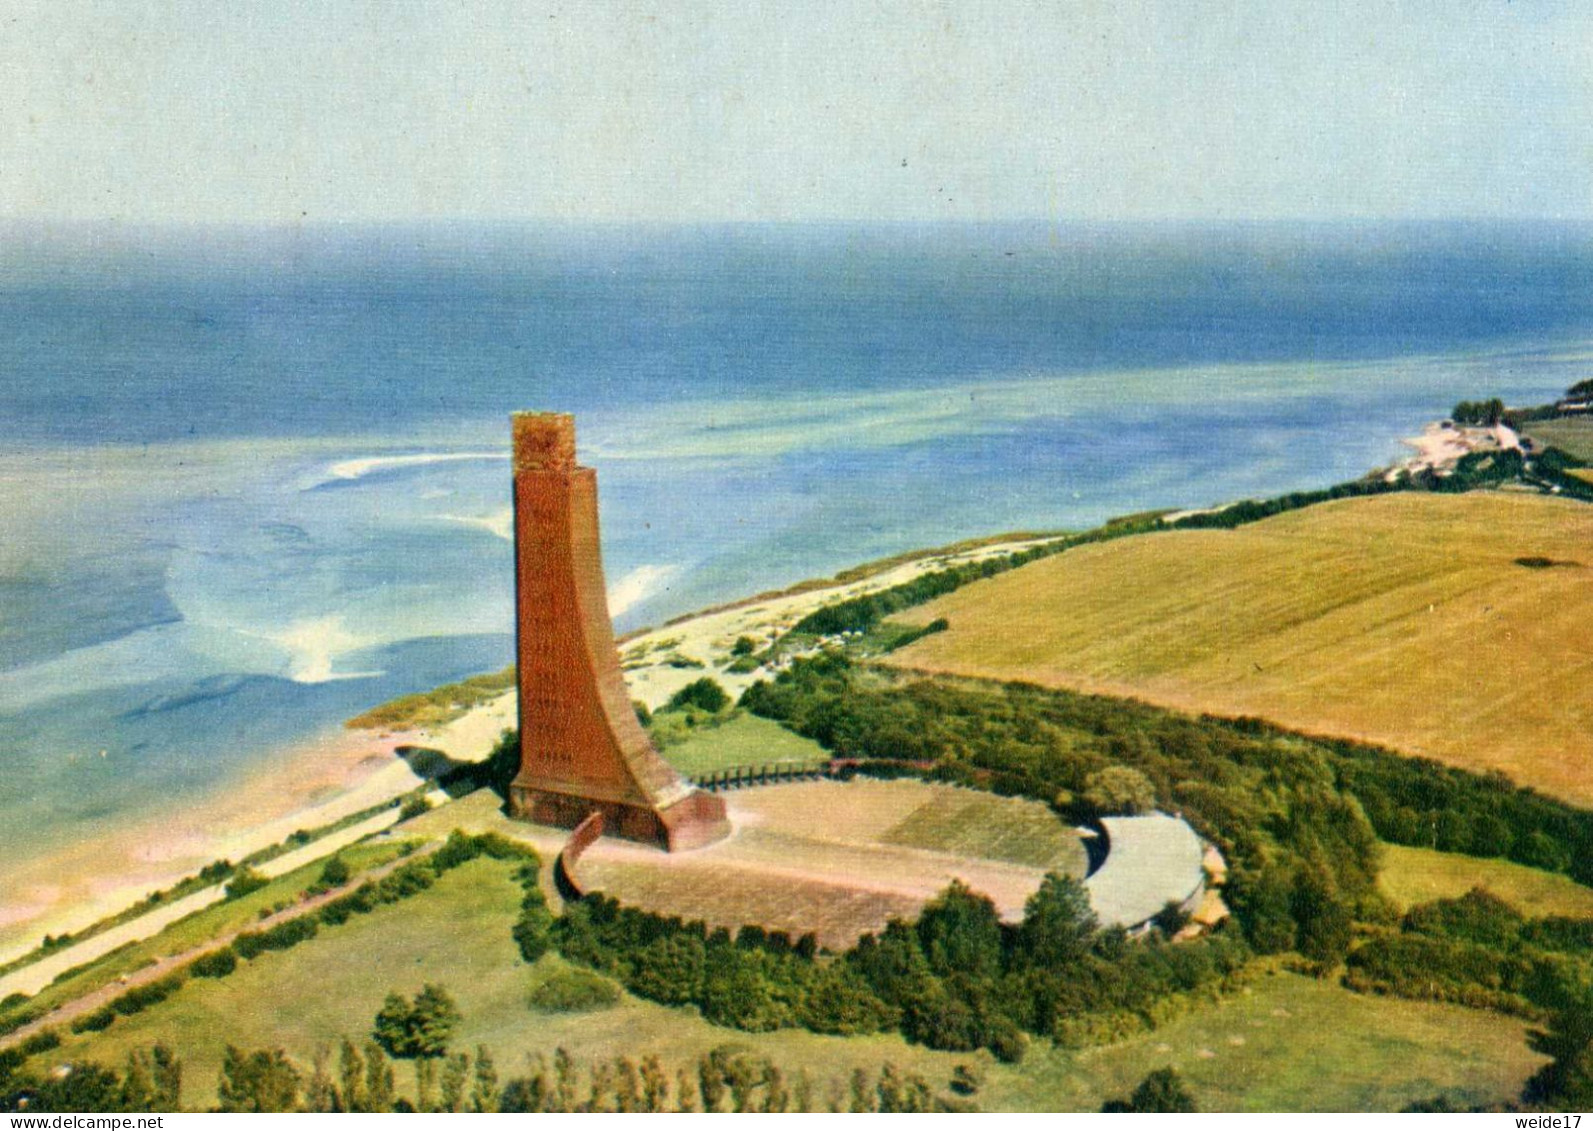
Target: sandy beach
308,785
1443,444
343,771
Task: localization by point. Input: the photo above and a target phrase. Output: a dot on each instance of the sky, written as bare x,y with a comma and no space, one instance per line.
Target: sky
177,111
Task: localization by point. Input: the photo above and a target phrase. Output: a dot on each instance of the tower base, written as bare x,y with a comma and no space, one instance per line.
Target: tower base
695,820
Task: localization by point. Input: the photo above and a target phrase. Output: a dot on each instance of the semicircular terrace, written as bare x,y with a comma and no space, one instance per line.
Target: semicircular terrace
841,858
1151,861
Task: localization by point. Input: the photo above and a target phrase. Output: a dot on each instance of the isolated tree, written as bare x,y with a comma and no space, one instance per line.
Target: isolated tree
655,1085
1058,922
351,1077
1162,1091
484,1088
960,933
967,1079
379,1092
320,1093
244,881
264,1080
685,1091
166,1074
455,1077
418,1031
563,1080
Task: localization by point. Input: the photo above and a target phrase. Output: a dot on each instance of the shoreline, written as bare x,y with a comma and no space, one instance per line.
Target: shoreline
311,783
341,771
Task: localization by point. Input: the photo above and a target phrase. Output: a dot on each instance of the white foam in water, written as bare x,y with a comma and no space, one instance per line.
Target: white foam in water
314,646
350,469
500,524
637,585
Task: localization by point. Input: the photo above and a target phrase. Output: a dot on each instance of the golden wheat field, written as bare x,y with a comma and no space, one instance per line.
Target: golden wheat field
1457,627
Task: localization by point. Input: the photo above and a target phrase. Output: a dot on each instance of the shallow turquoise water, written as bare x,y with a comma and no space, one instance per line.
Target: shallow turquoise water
250,490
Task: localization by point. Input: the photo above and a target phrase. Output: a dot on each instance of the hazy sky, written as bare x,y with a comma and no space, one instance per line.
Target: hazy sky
213,110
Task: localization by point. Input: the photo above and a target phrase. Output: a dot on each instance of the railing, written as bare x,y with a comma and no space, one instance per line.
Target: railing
767,773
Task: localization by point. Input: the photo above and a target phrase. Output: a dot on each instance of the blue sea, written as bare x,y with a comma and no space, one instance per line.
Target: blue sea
252,482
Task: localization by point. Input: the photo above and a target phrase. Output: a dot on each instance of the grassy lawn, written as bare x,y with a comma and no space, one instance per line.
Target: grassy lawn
1402,619
456,934
1290,1043
1572,435
1421,875
1293,1044
970,823
744,740
217,919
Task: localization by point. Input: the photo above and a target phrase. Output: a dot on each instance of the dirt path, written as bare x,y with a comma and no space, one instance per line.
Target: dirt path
68,1012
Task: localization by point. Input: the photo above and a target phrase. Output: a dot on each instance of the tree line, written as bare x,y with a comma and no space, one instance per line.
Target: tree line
1297,818
956,978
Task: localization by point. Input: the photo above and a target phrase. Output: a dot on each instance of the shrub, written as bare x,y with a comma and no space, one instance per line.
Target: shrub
101,1018
413,807
574,991
246,880
1119,790
334,873
669,970
216,964
533,931
291,933
141,998
42,1041
704,693
457,850
251,944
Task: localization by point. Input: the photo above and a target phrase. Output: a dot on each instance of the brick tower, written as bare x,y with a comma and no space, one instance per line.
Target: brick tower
581,748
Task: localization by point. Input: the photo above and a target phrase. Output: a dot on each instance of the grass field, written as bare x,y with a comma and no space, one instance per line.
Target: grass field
1401,619
1572,435
217,919
1293,1044
744,740
968,823
1289,1044
1421,875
